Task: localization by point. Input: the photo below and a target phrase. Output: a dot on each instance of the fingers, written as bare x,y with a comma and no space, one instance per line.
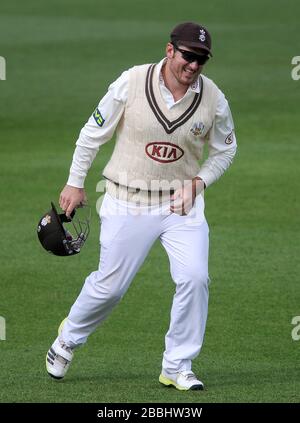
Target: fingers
182,200
177,194
70,198
69,209
177,203
63,202
180,210
66,204
179,207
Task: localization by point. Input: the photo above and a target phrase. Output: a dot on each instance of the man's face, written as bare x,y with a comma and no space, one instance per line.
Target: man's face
184,72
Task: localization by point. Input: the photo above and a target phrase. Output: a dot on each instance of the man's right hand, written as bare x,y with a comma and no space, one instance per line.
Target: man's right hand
71,197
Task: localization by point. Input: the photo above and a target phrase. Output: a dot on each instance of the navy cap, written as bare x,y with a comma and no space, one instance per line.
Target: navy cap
191,34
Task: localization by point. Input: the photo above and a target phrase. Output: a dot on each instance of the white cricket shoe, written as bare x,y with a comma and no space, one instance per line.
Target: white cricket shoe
58,359
183,381
59,356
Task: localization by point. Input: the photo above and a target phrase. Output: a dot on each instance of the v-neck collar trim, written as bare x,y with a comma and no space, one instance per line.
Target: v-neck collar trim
169,126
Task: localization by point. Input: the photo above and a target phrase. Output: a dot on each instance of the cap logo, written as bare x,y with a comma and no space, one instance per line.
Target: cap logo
202,36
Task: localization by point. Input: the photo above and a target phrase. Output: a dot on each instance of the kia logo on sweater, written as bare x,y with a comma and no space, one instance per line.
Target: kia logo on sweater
164,152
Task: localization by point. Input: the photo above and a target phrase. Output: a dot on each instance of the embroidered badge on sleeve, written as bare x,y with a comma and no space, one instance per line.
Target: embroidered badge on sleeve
229,138
98,117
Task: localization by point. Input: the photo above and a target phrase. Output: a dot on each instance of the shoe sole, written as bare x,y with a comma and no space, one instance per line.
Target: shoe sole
55,377
170,383
50,374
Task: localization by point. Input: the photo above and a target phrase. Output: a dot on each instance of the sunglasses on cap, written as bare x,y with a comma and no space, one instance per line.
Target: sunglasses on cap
191,57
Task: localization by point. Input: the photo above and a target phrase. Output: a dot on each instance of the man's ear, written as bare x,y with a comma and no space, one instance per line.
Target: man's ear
170,51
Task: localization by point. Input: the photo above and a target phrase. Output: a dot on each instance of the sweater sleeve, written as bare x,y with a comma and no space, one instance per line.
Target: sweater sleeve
98,130
221,144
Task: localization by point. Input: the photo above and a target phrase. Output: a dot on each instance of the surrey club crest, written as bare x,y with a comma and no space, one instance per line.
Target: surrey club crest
46,220
197,129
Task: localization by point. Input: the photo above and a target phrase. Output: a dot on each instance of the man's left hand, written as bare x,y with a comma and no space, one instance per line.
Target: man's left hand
183,198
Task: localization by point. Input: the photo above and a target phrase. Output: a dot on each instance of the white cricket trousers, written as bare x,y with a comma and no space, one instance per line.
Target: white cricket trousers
127,234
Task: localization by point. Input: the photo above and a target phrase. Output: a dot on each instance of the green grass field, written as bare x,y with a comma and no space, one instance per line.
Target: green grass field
61,56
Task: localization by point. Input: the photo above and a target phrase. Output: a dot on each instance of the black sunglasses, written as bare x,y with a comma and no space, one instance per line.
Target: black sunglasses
191,57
